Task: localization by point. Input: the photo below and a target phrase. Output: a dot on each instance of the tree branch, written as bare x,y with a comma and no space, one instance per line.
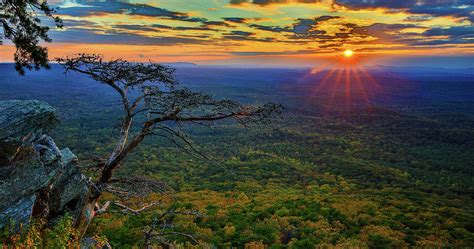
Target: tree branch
125,209
163,102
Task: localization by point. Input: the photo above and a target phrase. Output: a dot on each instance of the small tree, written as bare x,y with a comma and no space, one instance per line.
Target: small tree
21,23
151,91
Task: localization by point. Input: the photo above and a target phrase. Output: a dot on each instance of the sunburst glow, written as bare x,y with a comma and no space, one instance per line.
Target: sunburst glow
348,53
345,86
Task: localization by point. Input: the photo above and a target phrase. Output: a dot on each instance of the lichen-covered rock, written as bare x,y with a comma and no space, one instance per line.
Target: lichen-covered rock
36,177
20,121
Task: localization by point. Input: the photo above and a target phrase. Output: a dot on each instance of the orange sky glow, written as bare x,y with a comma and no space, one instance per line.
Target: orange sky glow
263,32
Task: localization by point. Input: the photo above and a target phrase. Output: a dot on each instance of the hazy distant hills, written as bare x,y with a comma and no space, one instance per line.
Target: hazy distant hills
180,64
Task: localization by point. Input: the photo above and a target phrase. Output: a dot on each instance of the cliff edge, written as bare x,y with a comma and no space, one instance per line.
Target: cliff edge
37,179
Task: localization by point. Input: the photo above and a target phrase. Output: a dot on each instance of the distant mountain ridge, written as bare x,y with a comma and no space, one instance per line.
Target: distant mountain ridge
180,64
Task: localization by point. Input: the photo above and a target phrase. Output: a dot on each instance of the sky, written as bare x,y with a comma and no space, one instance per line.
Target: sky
267,32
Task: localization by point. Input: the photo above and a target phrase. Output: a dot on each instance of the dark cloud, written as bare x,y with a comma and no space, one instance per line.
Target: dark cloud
364,4
421,18
76,23
461,9
161,26
457,8
276,29
332,45
236,2
236,19
267,2
303,26
393,33
384,33
377,29
89,8
244,36
156,27
96,7
112,7
439,42
216,23
202,28
94,36
203,36
240,19
454,33
241,33
307,28
134,27
124,34
252,53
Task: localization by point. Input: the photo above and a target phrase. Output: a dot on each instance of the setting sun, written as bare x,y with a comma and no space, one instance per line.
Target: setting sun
348,53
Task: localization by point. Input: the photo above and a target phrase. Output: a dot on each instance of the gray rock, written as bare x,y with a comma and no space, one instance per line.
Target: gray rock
36,177
20,121
92,243
18,212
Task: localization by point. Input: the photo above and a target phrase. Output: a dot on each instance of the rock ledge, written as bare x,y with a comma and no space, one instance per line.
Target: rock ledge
37,179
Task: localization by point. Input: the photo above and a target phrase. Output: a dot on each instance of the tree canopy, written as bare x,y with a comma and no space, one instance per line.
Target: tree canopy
21,23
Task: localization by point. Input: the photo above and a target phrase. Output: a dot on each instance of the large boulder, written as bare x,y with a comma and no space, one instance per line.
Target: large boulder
20,122
37,179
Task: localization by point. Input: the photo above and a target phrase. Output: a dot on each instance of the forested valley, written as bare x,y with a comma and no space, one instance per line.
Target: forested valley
385,161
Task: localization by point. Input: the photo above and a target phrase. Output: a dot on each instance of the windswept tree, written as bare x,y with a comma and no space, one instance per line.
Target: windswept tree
152,100
21,23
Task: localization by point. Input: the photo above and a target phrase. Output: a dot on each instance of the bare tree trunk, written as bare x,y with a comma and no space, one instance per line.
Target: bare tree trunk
124,133
88,210
116,160
95,191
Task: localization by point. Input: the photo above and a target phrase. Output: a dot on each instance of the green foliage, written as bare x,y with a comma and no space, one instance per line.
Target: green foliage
297,189
379,242
21,24
37,235
388,176
60,235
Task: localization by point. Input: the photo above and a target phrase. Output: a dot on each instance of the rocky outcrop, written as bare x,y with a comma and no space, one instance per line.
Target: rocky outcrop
20,121
37,179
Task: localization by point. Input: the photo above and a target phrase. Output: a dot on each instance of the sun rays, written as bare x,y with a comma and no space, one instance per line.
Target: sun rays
344,84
